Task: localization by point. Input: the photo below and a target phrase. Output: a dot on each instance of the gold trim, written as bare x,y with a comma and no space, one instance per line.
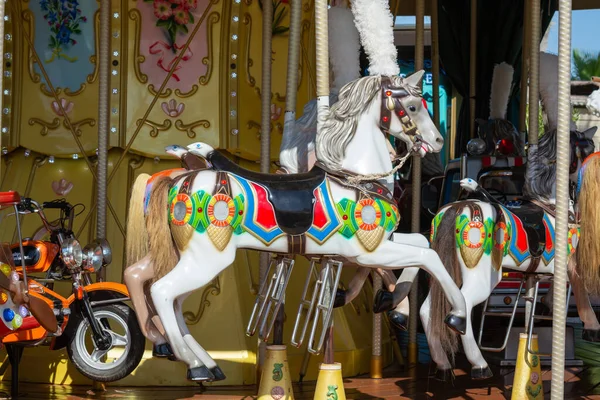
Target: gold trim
93,58
27,16
192,92
46,126
213,288
7,167
189,128
213,18
279,97
67,90
134,15
156,127
76,125
248,61
166,93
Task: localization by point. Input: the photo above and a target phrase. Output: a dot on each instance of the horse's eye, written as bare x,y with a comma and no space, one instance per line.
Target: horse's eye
412,108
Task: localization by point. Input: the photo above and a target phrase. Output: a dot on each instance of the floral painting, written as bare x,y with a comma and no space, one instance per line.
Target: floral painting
174,16
64,18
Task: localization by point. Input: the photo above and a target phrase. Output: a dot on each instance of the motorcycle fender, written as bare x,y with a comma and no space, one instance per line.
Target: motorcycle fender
96,292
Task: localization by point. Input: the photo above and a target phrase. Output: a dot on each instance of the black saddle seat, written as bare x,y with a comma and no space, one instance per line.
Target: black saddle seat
532,217
292,195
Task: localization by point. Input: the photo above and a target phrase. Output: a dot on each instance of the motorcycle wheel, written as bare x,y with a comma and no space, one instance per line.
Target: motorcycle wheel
127,348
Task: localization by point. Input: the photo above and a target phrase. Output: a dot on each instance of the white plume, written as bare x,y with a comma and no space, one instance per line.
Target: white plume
501,85
344,46
375,25
549,89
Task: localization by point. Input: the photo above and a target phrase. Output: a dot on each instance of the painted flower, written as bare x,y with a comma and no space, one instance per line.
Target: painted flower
535,377
66,105
64,34
275,112
162,9
62,187
173,109
181,15
64,18
51,17
190,4
44,5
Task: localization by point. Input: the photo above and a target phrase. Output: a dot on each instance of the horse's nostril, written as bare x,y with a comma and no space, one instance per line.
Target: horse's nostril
439,140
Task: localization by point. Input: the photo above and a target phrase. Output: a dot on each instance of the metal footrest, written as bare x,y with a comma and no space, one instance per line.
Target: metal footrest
270,297
316,304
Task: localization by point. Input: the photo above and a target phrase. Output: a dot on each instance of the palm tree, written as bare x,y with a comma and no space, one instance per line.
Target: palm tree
586,65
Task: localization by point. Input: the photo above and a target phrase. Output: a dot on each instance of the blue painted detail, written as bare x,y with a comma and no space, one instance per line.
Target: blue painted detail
8,314
334,223
266,236
513,250
547,256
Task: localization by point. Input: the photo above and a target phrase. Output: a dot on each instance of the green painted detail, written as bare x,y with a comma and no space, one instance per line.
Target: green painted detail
461,224
488,243
236,223
199,221
345,209
389,218
332,392
277,372
435,224
172,194
533,393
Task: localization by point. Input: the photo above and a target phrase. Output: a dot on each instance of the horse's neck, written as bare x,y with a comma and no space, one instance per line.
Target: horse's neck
367,152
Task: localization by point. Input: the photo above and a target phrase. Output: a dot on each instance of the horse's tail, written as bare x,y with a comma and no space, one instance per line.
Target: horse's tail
444,243
137,235
588,248
163,254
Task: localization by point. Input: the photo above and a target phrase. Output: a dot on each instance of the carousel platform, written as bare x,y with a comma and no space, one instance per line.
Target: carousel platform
581,383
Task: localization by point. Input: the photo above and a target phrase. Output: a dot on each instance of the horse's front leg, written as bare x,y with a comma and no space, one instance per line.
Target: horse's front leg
395,256
591,327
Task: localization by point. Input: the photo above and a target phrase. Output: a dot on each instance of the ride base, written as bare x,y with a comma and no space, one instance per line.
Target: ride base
275,381
528,373
330,385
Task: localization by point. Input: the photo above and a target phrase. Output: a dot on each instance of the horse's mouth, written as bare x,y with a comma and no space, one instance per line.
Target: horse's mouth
422,147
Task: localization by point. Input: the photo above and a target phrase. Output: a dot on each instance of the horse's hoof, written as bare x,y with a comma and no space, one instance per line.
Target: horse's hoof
479,373
384,301
456,323
219,375
340,298
200,374
444,375
398,319
163,350
591,335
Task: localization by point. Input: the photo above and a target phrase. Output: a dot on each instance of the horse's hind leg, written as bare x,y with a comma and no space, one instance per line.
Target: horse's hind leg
591,327
198,350
444,370
135,277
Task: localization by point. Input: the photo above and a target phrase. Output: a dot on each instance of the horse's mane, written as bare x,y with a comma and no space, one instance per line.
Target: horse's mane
339,124
540,175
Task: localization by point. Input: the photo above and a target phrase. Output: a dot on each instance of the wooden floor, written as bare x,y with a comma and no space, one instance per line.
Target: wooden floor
581,383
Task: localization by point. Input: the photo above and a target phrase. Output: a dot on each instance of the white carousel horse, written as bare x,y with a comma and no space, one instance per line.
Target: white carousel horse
477,238
214,211
593,103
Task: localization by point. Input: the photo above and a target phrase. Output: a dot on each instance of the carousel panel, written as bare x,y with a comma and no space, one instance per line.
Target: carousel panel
56,50
187,109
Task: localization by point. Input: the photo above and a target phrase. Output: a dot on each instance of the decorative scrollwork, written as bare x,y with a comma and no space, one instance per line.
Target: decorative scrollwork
307,7
46,126
279,97
27,16
135,16
165,93
192,92
156,127
248,61
77,125
213,18
189,128
213,288
91,78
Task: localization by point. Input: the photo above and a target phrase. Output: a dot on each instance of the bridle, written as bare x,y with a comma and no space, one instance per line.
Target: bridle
391,100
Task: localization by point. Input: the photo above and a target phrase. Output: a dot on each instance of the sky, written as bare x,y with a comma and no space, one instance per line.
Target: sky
585,31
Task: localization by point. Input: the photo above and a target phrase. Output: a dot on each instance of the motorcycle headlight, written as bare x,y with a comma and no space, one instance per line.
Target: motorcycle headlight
106,250
92,257
71,253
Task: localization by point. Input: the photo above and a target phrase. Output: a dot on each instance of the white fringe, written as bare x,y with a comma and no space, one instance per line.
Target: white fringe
501,85
344,46
375,25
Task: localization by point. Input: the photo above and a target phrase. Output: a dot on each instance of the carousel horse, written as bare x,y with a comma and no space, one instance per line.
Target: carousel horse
477,238
216,210
593,103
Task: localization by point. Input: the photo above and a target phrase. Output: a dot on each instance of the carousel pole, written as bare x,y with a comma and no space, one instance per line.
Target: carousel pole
265,137
525,66
435,63
416,191
103,121
473,69
376,360
562,199
276,354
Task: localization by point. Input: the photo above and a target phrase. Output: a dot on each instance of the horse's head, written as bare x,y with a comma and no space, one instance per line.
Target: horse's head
404,114
175,150
593,103
582,145
501,137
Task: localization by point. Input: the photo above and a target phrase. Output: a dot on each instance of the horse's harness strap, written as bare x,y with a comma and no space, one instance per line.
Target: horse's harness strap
391,100
551,211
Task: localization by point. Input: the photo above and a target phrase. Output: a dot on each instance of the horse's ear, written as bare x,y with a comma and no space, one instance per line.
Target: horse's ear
480,121
590,132
416,79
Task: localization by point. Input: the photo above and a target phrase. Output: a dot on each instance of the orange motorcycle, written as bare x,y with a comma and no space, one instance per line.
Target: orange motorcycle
99,330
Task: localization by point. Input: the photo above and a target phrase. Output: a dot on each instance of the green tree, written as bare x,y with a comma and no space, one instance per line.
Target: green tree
586,65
